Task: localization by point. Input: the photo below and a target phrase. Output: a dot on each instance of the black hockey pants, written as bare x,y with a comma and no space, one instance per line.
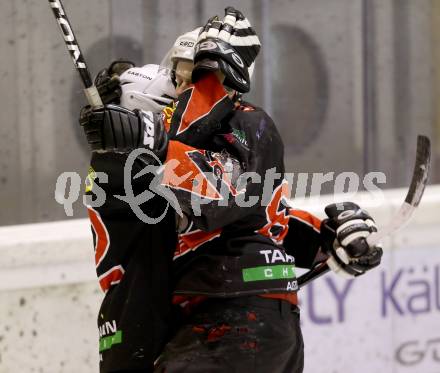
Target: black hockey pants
249,334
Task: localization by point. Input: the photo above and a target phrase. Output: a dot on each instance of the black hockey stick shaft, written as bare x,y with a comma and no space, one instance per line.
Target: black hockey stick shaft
412,200
320,269
75,52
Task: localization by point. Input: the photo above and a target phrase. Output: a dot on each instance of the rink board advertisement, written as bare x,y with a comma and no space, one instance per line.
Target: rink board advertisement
387,321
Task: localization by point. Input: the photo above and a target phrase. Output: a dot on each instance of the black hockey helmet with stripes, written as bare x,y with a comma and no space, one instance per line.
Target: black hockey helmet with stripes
230,45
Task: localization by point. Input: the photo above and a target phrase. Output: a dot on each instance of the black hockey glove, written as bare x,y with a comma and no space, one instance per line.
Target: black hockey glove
230,45
114,129
344,234
107,81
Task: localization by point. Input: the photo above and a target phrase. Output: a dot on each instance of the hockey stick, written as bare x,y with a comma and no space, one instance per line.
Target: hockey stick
403,215
78,60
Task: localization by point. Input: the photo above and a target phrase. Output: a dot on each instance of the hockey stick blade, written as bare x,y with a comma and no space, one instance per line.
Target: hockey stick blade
415,192
413,197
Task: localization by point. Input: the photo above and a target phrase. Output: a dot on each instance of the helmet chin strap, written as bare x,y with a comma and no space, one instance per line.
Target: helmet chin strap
236,96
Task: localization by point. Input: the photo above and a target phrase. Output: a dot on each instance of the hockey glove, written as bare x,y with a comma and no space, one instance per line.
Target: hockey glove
107,81
344,234
230,45
114,129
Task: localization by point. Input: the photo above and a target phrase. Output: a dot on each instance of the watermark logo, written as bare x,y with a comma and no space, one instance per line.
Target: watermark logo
214,179
154,189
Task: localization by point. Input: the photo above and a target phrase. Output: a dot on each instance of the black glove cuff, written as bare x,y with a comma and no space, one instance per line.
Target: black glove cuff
230,63
153,134
122,129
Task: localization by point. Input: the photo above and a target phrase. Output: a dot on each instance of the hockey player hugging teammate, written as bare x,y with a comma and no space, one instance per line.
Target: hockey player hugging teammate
230,265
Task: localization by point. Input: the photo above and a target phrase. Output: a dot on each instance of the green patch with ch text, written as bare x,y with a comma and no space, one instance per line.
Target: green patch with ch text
263,273
106,343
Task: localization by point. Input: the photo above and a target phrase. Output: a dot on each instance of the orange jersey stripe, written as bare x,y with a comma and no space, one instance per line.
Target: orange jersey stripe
306,217
101,235
111,277
204,96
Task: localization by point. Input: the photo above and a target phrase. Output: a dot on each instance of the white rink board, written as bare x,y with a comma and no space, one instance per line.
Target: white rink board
49,299
387,321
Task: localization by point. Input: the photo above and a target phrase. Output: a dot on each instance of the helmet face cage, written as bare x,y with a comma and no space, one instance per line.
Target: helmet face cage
173,77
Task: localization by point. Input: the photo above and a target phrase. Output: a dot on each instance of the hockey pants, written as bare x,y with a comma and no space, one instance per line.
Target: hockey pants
247,334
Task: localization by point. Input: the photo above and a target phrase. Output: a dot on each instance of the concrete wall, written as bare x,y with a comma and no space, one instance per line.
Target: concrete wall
49,297
40,97
348,82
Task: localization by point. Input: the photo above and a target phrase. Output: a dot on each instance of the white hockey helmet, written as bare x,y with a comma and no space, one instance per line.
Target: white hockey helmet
182,49
148,88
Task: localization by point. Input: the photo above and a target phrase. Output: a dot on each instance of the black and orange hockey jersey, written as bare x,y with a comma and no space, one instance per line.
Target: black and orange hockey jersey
220,160
232,246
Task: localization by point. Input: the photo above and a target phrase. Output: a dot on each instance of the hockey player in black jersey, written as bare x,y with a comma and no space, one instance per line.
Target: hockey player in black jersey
235,266
133,258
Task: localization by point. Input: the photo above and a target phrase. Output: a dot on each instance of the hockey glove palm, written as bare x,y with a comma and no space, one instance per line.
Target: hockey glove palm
114,129
230,45
344,233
